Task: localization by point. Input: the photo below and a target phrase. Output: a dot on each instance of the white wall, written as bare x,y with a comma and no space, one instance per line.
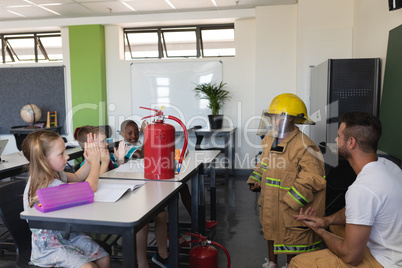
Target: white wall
372,23
275,58
325,31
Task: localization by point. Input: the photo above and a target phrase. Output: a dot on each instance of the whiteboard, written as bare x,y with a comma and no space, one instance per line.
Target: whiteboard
172,84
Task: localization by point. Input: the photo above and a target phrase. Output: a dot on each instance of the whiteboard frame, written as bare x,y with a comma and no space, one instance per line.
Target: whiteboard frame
174,82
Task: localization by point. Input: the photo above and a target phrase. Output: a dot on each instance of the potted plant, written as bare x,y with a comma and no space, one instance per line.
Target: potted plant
216,96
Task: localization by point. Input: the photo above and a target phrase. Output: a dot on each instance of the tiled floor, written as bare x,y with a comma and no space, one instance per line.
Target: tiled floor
238,228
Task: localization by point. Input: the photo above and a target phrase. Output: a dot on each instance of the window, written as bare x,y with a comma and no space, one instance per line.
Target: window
217,42
179,42
31,47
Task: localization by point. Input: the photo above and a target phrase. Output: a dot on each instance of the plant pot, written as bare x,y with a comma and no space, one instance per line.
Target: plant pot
215,121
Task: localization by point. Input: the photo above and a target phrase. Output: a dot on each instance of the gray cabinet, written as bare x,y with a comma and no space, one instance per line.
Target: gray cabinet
339,86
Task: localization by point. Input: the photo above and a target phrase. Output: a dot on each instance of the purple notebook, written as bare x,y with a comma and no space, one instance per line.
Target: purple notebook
64,196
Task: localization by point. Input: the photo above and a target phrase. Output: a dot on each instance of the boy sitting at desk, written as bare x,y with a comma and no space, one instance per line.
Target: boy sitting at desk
130,132
109,162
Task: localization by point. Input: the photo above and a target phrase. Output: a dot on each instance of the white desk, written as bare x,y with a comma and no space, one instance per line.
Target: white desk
192,168
13,164
125,217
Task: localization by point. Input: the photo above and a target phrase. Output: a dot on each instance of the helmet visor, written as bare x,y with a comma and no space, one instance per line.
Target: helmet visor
265,124
281,125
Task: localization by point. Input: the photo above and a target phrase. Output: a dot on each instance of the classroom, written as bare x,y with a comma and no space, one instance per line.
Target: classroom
278,44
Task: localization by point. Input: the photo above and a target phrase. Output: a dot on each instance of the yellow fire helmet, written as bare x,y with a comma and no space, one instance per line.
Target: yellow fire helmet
290,104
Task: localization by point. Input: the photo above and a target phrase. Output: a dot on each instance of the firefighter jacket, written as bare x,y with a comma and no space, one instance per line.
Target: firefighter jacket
291,175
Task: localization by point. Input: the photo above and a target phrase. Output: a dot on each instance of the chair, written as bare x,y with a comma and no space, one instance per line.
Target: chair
11,205
19,138
338,181
199,139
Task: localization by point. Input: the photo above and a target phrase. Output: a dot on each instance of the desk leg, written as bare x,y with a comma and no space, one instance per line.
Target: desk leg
213,191
174,232
129,249
194,203
233,152
201,208
227,158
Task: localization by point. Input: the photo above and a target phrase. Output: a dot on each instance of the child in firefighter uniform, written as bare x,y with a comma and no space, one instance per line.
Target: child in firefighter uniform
290,176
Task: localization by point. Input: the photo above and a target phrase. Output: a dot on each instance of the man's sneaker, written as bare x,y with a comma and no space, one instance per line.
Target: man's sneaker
269,264
286,266
161,262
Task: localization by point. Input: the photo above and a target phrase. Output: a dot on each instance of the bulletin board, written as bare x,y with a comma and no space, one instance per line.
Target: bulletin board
172,84
42,86
391,108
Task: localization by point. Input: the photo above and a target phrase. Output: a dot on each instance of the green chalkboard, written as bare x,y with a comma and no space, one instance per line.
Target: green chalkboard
391,102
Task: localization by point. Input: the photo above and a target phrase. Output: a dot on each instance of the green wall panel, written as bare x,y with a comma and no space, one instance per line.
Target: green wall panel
88,75
391,108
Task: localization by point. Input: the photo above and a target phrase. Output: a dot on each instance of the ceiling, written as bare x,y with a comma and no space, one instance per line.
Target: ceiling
20,10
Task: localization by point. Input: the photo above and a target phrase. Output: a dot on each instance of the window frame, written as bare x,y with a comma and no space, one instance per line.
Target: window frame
7,48
162,49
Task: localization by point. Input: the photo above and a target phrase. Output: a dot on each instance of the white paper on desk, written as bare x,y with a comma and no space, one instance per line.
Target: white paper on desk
136,166
111,192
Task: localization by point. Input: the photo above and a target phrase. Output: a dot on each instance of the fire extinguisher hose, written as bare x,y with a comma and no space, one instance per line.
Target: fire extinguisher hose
183,151
203,239
223,248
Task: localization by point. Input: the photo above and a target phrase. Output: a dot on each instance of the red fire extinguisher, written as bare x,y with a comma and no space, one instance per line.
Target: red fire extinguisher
159,147
205,255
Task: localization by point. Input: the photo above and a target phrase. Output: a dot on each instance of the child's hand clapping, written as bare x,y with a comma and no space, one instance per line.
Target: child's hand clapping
143,125
121,152
91,151
104,155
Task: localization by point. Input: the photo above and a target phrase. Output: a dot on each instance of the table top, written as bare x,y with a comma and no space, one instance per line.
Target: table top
190,164
74,152
209,130
139,203
12,161
27,130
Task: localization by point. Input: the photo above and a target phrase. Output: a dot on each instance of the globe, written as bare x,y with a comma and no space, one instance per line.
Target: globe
29,111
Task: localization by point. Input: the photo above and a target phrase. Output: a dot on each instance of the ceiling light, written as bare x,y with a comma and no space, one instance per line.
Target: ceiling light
15,13
54,12
18,6
51,4
170,4
128,6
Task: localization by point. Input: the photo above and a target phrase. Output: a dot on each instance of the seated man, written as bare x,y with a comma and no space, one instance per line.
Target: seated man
369,228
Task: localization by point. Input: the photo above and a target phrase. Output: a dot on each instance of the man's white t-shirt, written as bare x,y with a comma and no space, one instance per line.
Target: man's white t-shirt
375,199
